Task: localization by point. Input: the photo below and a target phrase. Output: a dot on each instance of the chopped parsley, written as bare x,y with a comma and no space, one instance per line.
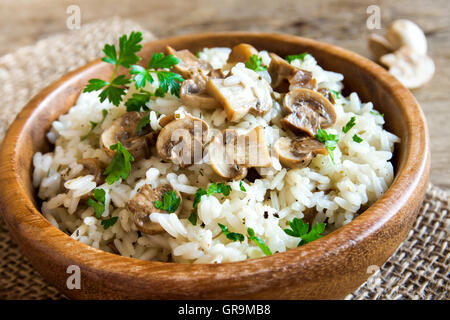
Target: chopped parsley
300,229
170,202
330,141
300,57
259,242
233,236
350,124
99,203
138,101
255,63
213,188
376,113
115,88
95,124
336,94
107,223
357,139
120,165
143,122
241,186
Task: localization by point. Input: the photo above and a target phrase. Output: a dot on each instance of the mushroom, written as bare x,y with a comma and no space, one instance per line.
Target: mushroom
411,68
298,151
307,111
189,64
231,154
405,33
284,75
142,205
193,93
243,91
123,129
379,45
92,166
182,140
327,94
241,53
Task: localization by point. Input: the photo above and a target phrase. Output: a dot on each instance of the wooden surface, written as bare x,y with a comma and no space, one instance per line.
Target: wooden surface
341,22
328,268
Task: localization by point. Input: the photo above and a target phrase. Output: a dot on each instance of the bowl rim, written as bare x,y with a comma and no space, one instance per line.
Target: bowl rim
406,180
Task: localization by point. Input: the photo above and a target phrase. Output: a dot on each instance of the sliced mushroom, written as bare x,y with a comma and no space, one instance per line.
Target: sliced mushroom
189,64
327,94
307,111
298,151
241,53
230,154
124,129
284,75
243,91
92,166
405,33
182,140
193,93
411,68
142,205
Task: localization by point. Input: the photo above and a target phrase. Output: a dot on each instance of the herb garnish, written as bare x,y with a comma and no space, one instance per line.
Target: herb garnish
114,89
376,113
99,203
233,236
241,186
330,141
357,139
138,100
300,56
170,202
95,124
300,229
213,188
336,94
255,63
350,124
260,243
107,223
120,165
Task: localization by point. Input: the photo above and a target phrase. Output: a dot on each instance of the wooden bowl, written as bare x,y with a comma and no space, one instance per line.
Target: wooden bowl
330,267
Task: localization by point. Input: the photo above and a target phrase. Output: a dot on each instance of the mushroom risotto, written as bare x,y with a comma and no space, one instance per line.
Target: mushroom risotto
216,156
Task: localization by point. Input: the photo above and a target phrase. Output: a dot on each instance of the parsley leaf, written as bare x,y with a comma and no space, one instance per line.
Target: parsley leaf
128,47
233,236
193,218
376,113
336,94
142,76
357,139
350,124
198,196
259,242
255,63
159,61
120,165
330,141
99,203
107,223
95,124
241,186
168,81
143,122
300,56
95,85
300,229
170,202
138,100
219,188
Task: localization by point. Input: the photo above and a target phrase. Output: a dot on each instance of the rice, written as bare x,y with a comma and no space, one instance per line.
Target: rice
362,172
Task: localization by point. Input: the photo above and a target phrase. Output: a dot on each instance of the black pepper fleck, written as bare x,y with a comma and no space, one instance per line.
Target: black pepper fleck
276,215
266,214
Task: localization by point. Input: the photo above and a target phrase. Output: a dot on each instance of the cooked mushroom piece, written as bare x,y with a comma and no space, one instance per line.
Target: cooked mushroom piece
298,151
379,45
92,166
142,205
193,93
307,111
241,53
230,154
286,77
243,91
124,129
189,64
182,140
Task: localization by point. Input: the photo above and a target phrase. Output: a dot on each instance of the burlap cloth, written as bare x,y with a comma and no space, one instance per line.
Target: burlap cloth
418,270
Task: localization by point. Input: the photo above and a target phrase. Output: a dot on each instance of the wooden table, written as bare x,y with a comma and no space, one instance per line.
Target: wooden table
341,22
